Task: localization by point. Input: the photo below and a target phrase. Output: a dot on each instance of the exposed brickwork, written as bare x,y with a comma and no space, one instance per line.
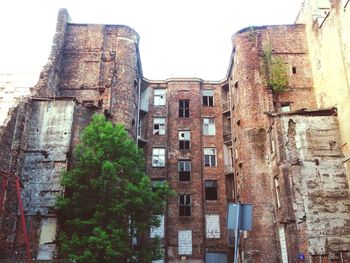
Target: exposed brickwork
188,90
276,151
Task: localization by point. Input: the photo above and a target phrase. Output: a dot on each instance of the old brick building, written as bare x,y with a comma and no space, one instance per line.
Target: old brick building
239,140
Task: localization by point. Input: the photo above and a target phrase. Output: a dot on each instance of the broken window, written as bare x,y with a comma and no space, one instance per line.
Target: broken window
184,108
158,157
278,192
285,107
208,97
159,125
211,190
185,205
208,126
209,157
272,142
184,167
159,97
184,140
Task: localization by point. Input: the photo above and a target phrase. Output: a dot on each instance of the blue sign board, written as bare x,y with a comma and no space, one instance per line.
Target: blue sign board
240,216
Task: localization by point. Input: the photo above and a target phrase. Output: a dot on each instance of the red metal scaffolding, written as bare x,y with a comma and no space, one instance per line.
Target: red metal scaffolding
11,194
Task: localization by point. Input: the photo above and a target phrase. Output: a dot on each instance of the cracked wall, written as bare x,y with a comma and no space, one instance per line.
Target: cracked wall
316,170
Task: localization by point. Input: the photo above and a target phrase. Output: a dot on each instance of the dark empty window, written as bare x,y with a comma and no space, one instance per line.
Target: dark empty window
184,108
184,170
211,190
208,98
294,70
184,140
184,205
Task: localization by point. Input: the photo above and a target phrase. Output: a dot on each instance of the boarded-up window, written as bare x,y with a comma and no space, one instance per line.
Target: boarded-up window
212,226
283,244
185,242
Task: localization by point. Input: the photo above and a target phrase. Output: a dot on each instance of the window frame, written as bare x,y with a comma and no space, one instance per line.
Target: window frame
184,143
212,157
206,126
184,207
184,110
159,131
209,190
159,156
207,100
185,173
159,99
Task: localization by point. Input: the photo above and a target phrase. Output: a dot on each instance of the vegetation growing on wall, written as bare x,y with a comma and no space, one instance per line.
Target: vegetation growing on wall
109,200
276,72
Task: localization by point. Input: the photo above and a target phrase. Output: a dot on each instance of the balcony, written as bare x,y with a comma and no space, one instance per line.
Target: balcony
228,169
227,138
226,107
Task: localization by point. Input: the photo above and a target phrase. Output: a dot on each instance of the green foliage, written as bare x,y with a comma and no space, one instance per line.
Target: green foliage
109,199
276,72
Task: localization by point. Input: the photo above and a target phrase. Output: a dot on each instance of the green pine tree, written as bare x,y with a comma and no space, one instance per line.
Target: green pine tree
109,199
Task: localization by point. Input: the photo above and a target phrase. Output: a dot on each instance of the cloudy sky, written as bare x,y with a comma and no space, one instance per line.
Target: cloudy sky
179,38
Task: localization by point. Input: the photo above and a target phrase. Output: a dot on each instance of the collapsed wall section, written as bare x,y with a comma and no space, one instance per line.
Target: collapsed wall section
44,157
314,166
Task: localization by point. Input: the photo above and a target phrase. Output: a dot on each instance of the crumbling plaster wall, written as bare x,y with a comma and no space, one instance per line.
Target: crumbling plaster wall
251,127
43,157
329,47
321,194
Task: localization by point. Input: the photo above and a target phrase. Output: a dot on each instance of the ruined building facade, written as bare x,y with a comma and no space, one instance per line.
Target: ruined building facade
214,142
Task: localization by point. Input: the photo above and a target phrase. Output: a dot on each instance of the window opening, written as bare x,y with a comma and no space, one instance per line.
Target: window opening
184,140
211,190
184,170
185,205
208,126
208,98
209,157
159,126
184,108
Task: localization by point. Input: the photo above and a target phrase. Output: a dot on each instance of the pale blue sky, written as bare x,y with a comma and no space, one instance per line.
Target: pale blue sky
182,38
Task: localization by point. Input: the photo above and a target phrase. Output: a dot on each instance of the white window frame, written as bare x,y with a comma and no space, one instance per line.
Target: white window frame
160,122
158,157
185,136
159,97
206,95
209,126
184,166
210,152
184,204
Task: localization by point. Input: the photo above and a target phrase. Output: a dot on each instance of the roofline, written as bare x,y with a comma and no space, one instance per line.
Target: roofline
168,80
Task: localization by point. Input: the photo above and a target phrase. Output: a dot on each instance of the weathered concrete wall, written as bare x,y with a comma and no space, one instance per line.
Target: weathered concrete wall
43,158
329,46
313,168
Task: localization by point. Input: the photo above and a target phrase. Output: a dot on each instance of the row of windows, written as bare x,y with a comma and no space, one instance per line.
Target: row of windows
184,105
185,200
159,126
158,155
